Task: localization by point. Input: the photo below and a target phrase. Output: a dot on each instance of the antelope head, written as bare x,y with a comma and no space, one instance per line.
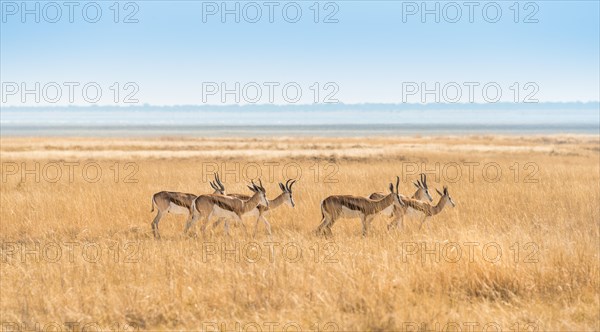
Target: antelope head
445,195
397,200
287,191
217,185
259,189
422,188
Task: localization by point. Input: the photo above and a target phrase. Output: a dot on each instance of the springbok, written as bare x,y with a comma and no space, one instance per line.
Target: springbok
398,214
261,211
178,203
427,209
348,206
208,206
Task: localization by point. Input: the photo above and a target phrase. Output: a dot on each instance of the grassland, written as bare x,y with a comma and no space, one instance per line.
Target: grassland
520,251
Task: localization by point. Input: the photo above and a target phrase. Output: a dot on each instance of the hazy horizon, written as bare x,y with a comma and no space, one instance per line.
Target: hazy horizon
302,120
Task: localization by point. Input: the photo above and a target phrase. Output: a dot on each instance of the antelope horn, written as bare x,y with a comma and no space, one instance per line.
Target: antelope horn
424,181
291,184
218,179
261,185
287,184
397,183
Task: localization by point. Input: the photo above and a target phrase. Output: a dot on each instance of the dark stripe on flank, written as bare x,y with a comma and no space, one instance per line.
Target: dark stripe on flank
223,205
351,205
178,201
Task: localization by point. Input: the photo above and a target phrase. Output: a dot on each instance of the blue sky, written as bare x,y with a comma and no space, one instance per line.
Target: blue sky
369,53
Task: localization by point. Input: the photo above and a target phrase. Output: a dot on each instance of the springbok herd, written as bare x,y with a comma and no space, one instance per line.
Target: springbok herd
226,206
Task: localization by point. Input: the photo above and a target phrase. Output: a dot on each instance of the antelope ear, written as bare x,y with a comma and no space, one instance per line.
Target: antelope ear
252,189
392,188
439,192
281,187
445,190
416,185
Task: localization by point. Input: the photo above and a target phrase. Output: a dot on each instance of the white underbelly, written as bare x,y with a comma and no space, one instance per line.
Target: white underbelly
349,213
176,209
252,213
218,212
412,213
387,211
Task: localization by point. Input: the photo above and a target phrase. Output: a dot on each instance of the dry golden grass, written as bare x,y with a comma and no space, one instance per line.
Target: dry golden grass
546,277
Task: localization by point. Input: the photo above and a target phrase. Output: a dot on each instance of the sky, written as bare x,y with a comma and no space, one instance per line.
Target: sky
186,52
